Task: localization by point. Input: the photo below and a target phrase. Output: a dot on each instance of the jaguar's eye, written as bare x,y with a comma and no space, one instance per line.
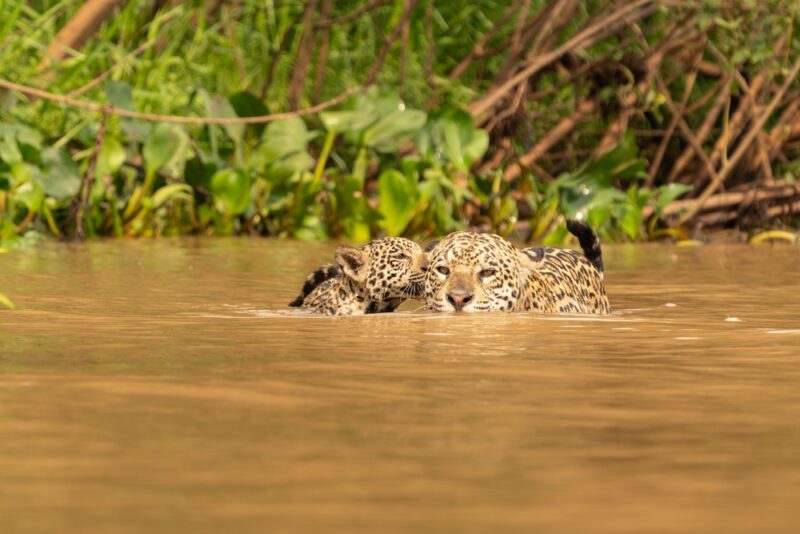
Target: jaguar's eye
402,256
486,273
441,269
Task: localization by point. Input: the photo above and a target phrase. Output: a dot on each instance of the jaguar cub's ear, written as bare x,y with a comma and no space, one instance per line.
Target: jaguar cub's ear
353,262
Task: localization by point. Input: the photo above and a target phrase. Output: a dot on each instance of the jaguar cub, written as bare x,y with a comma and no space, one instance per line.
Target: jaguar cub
374,278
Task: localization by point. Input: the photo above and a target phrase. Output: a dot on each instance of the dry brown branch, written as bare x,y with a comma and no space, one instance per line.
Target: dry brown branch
276,56
431,48
673,123
604,27
723,95
777,190
327,23
555,135
88,178
404,37
78,30
686,130
390,40
744,144
99,108
322,55
479,48
303,57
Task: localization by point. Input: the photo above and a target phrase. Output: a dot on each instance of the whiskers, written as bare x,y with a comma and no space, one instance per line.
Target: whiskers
414,289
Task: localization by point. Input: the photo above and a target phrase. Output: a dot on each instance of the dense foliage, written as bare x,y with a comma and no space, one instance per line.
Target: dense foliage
420,151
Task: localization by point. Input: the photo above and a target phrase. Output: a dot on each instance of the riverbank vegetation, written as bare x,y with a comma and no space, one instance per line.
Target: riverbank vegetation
650,119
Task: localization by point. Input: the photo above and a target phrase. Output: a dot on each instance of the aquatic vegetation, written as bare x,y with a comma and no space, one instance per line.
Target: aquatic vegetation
459,116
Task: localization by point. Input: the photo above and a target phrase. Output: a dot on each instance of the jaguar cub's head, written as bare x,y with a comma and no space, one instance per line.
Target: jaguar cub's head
474,273
384,271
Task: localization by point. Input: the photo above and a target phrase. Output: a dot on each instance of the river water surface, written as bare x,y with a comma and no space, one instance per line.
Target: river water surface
160,386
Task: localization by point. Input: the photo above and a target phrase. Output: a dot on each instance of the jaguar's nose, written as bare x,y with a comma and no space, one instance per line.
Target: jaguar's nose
459,299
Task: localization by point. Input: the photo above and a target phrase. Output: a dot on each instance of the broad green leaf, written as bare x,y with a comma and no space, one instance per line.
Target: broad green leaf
283,148
450,135
22,172
231,191
60,176
397,201
668,193
166,143
31,195
170,192
9,150
391,131
120,94
248,105
631,221
219,106
359,112
111,157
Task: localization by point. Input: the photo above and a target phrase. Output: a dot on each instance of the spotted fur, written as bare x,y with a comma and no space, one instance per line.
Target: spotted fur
484,272
374,278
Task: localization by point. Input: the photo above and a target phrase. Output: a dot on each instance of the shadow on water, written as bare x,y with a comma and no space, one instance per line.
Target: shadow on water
164,386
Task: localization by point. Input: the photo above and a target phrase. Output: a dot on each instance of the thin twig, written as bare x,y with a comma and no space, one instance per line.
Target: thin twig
673,123
390,40
88,178
744,144
326,23
631,12
111,110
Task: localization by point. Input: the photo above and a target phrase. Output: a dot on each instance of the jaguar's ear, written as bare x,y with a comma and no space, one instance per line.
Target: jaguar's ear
353,262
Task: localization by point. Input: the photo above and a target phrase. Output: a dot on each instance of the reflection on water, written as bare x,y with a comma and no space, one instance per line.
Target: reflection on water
163,386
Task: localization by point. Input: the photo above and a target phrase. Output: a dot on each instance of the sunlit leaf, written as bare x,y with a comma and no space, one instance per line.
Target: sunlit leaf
397,201
249,105
283,148
450,135
31,195
166,143
668,193
390,132
171,192
231,191
120,94
60,175
111,157
219,106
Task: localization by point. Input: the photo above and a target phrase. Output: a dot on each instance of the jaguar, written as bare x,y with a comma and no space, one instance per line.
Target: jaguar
471,272
374,278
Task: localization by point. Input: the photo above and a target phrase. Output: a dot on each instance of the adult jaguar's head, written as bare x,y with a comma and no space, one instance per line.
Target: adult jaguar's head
474,273
385,271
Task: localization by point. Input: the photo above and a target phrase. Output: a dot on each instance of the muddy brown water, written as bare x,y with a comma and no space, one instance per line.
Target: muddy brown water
156,386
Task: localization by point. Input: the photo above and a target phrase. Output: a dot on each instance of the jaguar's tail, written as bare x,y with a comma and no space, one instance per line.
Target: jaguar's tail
589,241
326,272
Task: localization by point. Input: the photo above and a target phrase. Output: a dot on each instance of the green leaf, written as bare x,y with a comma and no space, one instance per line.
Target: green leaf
283,148
397,201
231,191
171,192
111,157
450,135
120,94
166,143
390,132
31,195
219,106
668,193
248,105
60,176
